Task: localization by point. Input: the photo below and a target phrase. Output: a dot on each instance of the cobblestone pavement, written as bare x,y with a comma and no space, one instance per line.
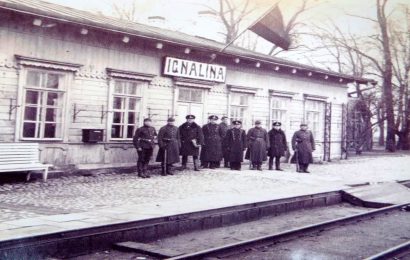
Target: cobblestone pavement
82,193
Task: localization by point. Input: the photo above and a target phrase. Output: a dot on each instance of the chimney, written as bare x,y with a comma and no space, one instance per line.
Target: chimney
209,26
157,21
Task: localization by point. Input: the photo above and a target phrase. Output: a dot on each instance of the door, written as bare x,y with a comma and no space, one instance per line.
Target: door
184,109
190,102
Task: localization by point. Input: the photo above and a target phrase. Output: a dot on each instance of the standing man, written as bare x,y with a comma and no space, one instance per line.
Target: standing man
169,143
236,145
303,144
258,144
144,142
278,145
211,154
191,140
224,128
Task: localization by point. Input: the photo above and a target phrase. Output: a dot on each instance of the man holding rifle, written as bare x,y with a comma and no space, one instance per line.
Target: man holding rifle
169,144
144,142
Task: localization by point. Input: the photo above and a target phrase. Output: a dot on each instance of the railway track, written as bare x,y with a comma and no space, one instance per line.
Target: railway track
261,227
264,247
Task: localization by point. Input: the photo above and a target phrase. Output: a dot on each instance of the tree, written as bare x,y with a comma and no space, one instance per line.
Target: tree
232,13
400,31
382,62
334,45
387,75
128,13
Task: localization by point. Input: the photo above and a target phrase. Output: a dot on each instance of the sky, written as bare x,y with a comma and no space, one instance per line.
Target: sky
182,15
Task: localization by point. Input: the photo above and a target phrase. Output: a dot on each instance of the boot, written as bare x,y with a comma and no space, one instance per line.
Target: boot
196,168
169,172
259,167
184,162
226,164
253,166
139,169
145,171
212,165
163,171
204,165
277,165
270,164
305,169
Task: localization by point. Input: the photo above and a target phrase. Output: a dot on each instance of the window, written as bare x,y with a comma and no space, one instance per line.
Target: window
126,108
190,95
44,94
280,107
239,106
314,116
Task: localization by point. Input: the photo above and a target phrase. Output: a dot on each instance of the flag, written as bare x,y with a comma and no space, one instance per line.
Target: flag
270,27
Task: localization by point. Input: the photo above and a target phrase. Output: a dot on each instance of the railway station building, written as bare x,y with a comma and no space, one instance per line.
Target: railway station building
79,84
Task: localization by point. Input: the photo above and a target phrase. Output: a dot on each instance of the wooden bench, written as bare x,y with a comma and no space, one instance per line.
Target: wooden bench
16,157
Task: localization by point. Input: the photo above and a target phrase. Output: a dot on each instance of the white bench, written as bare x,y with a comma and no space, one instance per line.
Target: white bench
16,157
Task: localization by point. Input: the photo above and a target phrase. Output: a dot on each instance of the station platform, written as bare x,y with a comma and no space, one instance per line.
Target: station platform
60,205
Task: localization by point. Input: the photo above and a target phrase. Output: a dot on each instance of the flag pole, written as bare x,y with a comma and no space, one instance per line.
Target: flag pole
243,31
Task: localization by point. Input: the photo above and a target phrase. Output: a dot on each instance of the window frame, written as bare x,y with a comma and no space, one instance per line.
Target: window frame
139,96
190,91
24,87
285,108
320,112
248,107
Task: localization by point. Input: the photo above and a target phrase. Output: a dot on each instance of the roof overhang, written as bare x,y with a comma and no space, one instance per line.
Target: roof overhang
122,27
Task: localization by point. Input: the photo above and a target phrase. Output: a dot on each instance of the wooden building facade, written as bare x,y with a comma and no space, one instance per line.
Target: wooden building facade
64,70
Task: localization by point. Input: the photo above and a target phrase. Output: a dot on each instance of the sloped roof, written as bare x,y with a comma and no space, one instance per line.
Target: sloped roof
75,16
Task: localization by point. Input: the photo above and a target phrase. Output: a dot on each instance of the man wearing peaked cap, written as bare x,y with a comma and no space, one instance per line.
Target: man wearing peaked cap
169,143
191,139
278,145
303,143
224,128
236,145
211,154
144,142
258,143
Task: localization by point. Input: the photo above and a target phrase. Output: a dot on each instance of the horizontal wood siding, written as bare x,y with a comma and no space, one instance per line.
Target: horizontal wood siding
89,89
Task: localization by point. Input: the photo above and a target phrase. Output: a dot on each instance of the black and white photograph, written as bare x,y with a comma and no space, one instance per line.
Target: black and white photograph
204,129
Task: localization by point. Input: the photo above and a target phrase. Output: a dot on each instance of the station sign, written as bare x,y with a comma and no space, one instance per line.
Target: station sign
194,70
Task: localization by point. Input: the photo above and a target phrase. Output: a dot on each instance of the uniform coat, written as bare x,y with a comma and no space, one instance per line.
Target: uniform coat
258,143
169,141
236,144
187,133
144,139
304,143
225,151
278,143
212,149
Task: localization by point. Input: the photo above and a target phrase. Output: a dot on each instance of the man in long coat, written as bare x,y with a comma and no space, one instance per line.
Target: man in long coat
303,144
191,140
211,153
224,128
278,145
236,145
144,142
169,143
258,143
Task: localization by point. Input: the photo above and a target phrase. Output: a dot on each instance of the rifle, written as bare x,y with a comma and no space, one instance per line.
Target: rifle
297,160
250,152
166,159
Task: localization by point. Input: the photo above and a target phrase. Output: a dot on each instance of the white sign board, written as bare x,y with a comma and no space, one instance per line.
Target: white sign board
194,70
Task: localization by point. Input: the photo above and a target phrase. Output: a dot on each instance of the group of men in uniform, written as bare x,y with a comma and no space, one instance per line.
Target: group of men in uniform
219,142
